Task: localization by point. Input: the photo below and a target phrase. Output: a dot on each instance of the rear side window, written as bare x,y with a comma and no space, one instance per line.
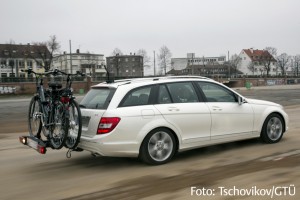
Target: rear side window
137,97
97,98
163,95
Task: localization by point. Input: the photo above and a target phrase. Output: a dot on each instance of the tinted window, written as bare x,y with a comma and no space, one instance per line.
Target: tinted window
216,93
97,98
137,97
163,95
183,92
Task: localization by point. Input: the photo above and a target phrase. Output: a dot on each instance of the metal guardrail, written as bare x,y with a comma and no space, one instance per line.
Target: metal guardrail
16,79
21,79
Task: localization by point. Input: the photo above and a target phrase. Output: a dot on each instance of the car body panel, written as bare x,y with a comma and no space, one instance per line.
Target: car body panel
230,118
198,126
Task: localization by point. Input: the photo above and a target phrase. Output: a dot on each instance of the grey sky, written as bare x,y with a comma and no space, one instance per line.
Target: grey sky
205,27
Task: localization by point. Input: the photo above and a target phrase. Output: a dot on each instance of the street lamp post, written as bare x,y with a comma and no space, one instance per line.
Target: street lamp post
297,63
154,63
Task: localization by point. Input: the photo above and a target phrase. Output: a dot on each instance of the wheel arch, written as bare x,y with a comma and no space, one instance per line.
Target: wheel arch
280,115
162,127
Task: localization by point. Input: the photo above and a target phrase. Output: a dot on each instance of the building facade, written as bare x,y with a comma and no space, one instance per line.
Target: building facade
14,58
216,70
191,59
254,62
125,65
88,63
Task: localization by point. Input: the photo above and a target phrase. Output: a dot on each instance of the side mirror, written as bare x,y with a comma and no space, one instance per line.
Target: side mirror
241,100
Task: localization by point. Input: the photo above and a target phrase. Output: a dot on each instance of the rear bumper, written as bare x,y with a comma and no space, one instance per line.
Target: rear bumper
104,148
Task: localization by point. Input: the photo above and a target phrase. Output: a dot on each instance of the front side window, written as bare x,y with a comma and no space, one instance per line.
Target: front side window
137,97
216,93
183,92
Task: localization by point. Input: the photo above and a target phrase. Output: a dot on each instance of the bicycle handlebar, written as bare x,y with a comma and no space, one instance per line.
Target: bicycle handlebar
64,73
29,71
54,72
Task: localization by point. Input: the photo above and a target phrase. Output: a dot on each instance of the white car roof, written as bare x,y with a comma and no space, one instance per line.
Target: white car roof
146,81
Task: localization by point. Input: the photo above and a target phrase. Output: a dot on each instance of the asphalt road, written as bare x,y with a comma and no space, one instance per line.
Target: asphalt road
25,174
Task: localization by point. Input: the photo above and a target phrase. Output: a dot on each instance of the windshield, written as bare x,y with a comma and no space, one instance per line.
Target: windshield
97,98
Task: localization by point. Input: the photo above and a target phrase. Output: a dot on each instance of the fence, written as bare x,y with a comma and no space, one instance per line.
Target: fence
28,85
83,84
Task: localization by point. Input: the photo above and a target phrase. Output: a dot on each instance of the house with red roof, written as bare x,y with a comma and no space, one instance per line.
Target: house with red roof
257,62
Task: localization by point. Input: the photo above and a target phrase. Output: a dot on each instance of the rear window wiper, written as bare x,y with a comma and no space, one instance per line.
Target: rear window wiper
82,106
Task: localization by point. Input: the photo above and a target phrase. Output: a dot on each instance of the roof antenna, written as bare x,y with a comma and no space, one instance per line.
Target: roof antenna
109,79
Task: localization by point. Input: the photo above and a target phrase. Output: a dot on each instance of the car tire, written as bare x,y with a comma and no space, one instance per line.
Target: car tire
273,129
158,147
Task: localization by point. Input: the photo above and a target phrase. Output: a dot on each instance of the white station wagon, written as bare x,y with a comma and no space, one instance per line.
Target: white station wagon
154,118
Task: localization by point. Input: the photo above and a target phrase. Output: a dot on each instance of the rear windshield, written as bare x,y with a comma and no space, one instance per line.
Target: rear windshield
97,98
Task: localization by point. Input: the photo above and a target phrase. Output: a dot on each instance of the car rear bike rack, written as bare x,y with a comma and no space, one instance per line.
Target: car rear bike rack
35,143
41,146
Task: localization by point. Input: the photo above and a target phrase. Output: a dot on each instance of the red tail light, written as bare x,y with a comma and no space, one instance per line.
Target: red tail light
41,149
65,99
107,124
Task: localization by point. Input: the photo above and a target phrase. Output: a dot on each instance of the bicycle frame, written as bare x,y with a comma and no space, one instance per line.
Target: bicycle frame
47,108
40,95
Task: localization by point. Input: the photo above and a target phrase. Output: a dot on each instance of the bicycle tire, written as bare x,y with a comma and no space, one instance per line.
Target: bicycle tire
34,117
59,131
75,125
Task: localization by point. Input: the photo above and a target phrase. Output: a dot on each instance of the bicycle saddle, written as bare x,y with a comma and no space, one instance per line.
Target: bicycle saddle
55,85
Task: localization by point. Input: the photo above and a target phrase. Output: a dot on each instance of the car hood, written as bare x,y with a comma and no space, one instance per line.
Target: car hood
262,102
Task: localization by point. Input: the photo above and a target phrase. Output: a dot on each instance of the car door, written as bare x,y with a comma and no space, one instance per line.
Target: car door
180,106
136,112
229,118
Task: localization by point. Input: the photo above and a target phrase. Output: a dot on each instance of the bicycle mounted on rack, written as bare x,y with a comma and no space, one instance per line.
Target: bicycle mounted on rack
75,123
53,112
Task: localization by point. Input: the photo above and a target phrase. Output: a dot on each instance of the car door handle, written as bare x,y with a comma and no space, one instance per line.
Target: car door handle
173,109
216,108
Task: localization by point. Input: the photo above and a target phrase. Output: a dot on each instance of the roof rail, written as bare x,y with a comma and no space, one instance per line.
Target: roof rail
128,81
188,76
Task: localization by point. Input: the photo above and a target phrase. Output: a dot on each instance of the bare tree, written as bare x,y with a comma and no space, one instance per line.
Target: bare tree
262,70
251,67
296,64
282,62
267,57
115,62
11,41
116,51
234,62
45,51
9,53
164,58
146,58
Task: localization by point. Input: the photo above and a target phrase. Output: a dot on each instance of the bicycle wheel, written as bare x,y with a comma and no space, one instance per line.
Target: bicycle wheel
35,117
75,125
60,126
